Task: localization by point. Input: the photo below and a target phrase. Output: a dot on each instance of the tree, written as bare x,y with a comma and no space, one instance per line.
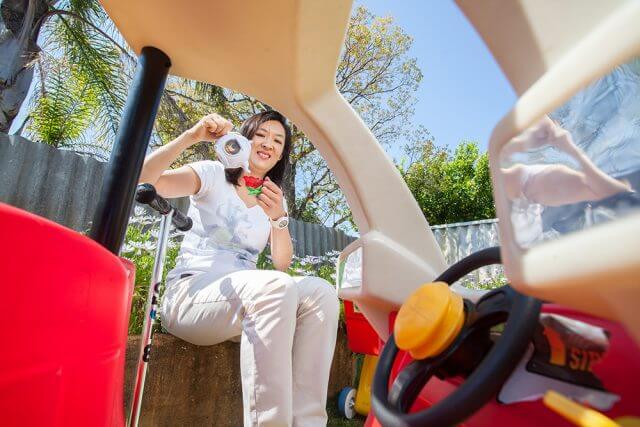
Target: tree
378,78
451,188
61,115
375,75
84,69
68,41
18,49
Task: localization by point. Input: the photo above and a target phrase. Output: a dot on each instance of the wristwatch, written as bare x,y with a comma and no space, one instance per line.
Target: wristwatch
280,223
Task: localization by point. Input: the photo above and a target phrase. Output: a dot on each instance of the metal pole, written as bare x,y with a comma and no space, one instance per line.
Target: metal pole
116,198
150,316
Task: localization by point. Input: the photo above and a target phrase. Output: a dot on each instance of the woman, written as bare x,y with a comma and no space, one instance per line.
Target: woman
287,324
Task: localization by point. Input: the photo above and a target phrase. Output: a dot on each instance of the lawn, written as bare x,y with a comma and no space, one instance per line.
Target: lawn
337,420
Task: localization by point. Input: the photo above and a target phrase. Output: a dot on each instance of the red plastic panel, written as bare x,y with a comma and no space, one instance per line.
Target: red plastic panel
619,371
66,303
361,337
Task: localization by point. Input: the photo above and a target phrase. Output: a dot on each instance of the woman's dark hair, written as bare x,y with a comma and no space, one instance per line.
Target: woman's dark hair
248,130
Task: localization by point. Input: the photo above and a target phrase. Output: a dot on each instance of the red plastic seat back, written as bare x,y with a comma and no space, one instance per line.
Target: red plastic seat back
65,309
361,336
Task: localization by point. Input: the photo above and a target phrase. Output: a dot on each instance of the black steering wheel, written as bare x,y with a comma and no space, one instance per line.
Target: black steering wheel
486,365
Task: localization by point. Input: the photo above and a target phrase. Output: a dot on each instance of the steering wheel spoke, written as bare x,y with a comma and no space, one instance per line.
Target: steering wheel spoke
492,309
409,382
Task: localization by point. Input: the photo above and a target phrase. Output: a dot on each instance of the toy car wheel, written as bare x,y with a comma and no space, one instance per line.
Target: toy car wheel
346,402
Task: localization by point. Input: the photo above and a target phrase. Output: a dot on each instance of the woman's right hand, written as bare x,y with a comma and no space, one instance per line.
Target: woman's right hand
210,128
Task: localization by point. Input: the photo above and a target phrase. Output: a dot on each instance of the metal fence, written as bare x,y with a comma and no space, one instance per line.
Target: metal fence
464,238
64,187
56,184
317,240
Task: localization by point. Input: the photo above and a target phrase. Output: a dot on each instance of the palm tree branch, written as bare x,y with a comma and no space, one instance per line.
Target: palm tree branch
74,15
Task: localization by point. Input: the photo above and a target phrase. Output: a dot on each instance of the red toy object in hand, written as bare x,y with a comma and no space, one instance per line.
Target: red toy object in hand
254,184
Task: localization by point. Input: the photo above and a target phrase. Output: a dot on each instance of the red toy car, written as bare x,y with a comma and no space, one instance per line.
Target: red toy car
574,67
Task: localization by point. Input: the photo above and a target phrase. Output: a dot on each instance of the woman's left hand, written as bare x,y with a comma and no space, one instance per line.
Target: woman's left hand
270,200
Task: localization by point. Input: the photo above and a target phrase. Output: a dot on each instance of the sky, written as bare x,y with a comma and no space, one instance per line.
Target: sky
463,93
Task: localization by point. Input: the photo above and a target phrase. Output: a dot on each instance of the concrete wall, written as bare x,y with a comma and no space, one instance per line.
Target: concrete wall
188,385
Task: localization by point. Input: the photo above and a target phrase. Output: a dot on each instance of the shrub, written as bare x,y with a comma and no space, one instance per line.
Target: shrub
140,246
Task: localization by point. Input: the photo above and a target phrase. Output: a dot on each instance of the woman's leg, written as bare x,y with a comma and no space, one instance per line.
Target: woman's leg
262,306
313,345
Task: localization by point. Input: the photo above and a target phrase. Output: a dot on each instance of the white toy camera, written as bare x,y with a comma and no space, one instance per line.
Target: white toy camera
233,151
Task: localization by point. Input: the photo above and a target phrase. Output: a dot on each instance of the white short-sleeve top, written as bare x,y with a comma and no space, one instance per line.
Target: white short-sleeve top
226,236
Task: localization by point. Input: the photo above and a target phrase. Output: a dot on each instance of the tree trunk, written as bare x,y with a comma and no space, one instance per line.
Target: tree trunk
290,190
18,50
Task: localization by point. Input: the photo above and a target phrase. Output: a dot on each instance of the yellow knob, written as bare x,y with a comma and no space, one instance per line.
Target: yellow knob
429,320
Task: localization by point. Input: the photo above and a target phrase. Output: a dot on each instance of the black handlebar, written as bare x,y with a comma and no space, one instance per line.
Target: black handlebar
146,194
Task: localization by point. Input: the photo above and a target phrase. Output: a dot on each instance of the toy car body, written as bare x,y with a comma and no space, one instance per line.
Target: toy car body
547,50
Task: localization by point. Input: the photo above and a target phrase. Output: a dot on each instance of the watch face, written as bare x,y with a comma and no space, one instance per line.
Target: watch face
283,222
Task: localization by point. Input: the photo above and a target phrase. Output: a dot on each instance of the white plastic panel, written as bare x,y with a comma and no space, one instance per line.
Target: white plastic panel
349,274
528,37
558,244
378,274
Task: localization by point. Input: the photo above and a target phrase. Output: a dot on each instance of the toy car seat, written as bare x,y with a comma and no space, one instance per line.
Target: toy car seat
65,310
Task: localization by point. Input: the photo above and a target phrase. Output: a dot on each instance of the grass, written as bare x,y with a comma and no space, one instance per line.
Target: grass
337,420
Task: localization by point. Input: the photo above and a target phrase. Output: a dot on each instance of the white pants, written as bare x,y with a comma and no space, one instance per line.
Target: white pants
288,331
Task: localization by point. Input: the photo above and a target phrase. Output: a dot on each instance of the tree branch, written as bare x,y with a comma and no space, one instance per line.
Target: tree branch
373,79
311,190
22,126
341,220
89,23
26,23
188,98
303,153
184,120
362,66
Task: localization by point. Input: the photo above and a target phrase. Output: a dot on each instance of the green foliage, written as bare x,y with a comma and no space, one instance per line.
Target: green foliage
310,215
83,79
452,188
377,76
96,58
140,248
320,266
492,283
65,110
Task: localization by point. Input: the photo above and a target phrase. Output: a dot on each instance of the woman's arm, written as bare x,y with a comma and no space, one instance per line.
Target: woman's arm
171,183
557,184
271,202
596,182
281,248
162,158
182,181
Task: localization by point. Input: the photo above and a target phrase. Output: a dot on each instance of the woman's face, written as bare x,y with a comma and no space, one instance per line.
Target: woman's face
267,147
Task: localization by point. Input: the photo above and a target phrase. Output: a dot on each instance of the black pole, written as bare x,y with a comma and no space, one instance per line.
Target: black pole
118,190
